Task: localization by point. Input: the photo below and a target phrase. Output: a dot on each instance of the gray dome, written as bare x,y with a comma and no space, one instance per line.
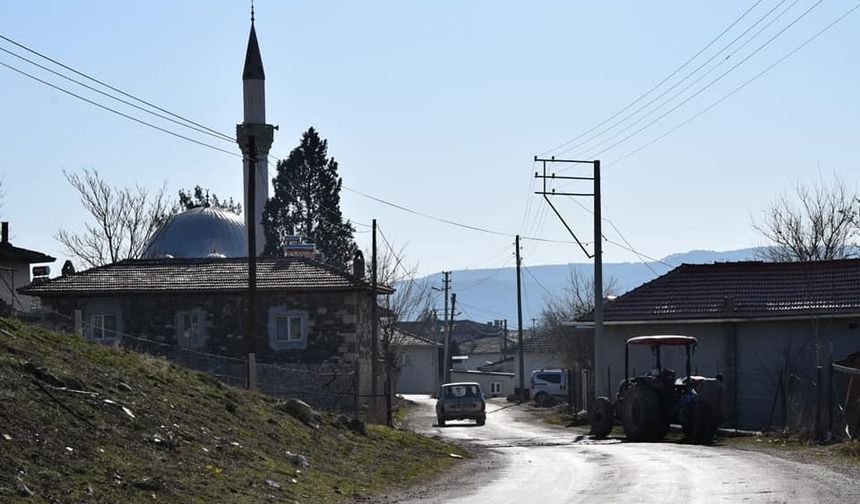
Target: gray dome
199,232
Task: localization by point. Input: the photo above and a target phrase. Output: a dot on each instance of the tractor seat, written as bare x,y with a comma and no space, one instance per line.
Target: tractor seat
668,376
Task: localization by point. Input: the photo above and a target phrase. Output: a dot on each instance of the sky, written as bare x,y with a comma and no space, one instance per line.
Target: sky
441,107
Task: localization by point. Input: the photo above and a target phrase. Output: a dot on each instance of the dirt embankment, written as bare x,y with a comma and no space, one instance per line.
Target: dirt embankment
80,422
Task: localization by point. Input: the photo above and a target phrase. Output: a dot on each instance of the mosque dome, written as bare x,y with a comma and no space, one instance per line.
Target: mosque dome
199,232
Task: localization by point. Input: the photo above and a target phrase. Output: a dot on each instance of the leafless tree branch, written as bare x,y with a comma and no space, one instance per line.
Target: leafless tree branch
122,220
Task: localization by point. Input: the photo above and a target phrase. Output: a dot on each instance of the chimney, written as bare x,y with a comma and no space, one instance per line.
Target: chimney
5,232
358,268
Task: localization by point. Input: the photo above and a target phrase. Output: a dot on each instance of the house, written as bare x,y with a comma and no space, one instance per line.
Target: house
312,320
419,363
763,326
15,265
482,343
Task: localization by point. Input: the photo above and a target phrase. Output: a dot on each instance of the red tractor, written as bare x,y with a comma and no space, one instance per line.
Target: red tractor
646,405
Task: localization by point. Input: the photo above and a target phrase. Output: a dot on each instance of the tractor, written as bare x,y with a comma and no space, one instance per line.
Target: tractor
646,405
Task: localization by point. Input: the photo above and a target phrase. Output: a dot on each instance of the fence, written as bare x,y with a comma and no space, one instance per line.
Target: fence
821,403
327,385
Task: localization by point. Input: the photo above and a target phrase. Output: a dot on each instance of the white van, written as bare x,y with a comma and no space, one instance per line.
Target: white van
548,382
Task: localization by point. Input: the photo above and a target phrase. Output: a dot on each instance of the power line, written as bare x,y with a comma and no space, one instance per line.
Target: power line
707,86
541,285
673,86
126,102
745,84
448,221
485,310
117,112
656,86
618,232
112,88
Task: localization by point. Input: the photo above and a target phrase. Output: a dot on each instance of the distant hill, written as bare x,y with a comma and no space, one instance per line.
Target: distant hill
488,294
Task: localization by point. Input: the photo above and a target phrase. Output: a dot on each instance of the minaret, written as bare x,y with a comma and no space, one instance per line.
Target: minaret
254,129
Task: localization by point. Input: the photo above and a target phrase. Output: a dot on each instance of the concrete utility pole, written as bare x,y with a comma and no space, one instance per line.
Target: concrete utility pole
522,394
601,388
446,283
374,336
601,383
448,339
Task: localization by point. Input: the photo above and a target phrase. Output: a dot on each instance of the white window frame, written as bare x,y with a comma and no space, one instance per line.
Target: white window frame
103,334
197,337
295,340
495,387
291,321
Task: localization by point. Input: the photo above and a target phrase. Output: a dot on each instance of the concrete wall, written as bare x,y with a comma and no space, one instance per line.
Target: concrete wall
533,361
761,349
418,371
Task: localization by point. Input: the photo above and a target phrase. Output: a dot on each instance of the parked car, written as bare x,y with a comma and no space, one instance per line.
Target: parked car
461,401
546,383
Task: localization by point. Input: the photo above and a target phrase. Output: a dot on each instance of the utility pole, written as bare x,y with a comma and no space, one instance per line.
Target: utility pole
600,382
448,339
522,394
251,330
601,388
504,339
374,336
446,282
534,327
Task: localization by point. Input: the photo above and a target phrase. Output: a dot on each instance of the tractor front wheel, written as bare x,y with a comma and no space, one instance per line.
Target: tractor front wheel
643,419
601,417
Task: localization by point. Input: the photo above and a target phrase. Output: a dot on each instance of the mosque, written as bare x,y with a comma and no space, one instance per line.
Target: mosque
187,295
215,232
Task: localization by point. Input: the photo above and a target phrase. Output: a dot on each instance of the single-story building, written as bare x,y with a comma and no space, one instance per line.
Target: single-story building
308,315
763,326
419,362
493,384
15,263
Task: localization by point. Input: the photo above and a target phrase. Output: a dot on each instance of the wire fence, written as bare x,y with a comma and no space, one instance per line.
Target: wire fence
820,402
326,385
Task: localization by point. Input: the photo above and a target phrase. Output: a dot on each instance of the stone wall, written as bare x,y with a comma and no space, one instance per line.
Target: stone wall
332,365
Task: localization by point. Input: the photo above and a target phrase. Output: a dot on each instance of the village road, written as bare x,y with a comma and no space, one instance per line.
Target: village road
543,464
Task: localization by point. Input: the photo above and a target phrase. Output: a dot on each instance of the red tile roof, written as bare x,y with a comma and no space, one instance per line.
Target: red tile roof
743,290
200,275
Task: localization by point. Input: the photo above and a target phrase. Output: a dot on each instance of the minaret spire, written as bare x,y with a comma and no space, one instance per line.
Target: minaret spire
255,136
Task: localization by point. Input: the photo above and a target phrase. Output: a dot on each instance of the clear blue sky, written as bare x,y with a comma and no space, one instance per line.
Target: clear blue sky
440,106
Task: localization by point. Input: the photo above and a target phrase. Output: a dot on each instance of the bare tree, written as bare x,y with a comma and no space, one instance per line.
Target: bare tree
123,220
577,299
816,222
411,300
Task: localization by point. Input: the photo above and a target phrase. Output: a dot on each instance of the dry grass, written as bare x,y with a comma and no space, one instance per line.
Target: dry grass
185,437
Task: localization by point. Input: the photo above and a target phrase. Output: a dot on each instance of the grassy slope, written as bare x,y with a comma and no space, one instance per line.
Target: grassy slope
198,440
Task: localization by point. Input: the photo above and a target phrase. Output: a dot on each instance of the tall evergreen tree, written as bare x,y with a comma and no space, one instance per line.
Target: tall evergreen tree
306,202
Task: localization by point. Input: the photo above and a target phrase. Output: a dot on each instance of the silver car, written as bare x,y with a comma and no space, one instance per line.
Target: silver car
461,401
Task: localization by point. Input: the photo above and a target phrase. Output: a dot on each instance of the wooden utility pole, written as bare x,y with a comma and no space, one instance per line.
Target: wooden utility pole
522,384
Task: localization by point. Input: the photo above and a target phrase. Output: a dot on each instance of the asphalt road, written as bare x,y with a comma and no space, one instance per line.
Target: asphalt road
538,463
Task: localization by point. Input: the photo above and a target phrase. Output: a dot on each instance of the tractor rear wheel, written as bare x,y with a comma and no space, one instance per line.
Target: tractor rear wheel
643,419
601,417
